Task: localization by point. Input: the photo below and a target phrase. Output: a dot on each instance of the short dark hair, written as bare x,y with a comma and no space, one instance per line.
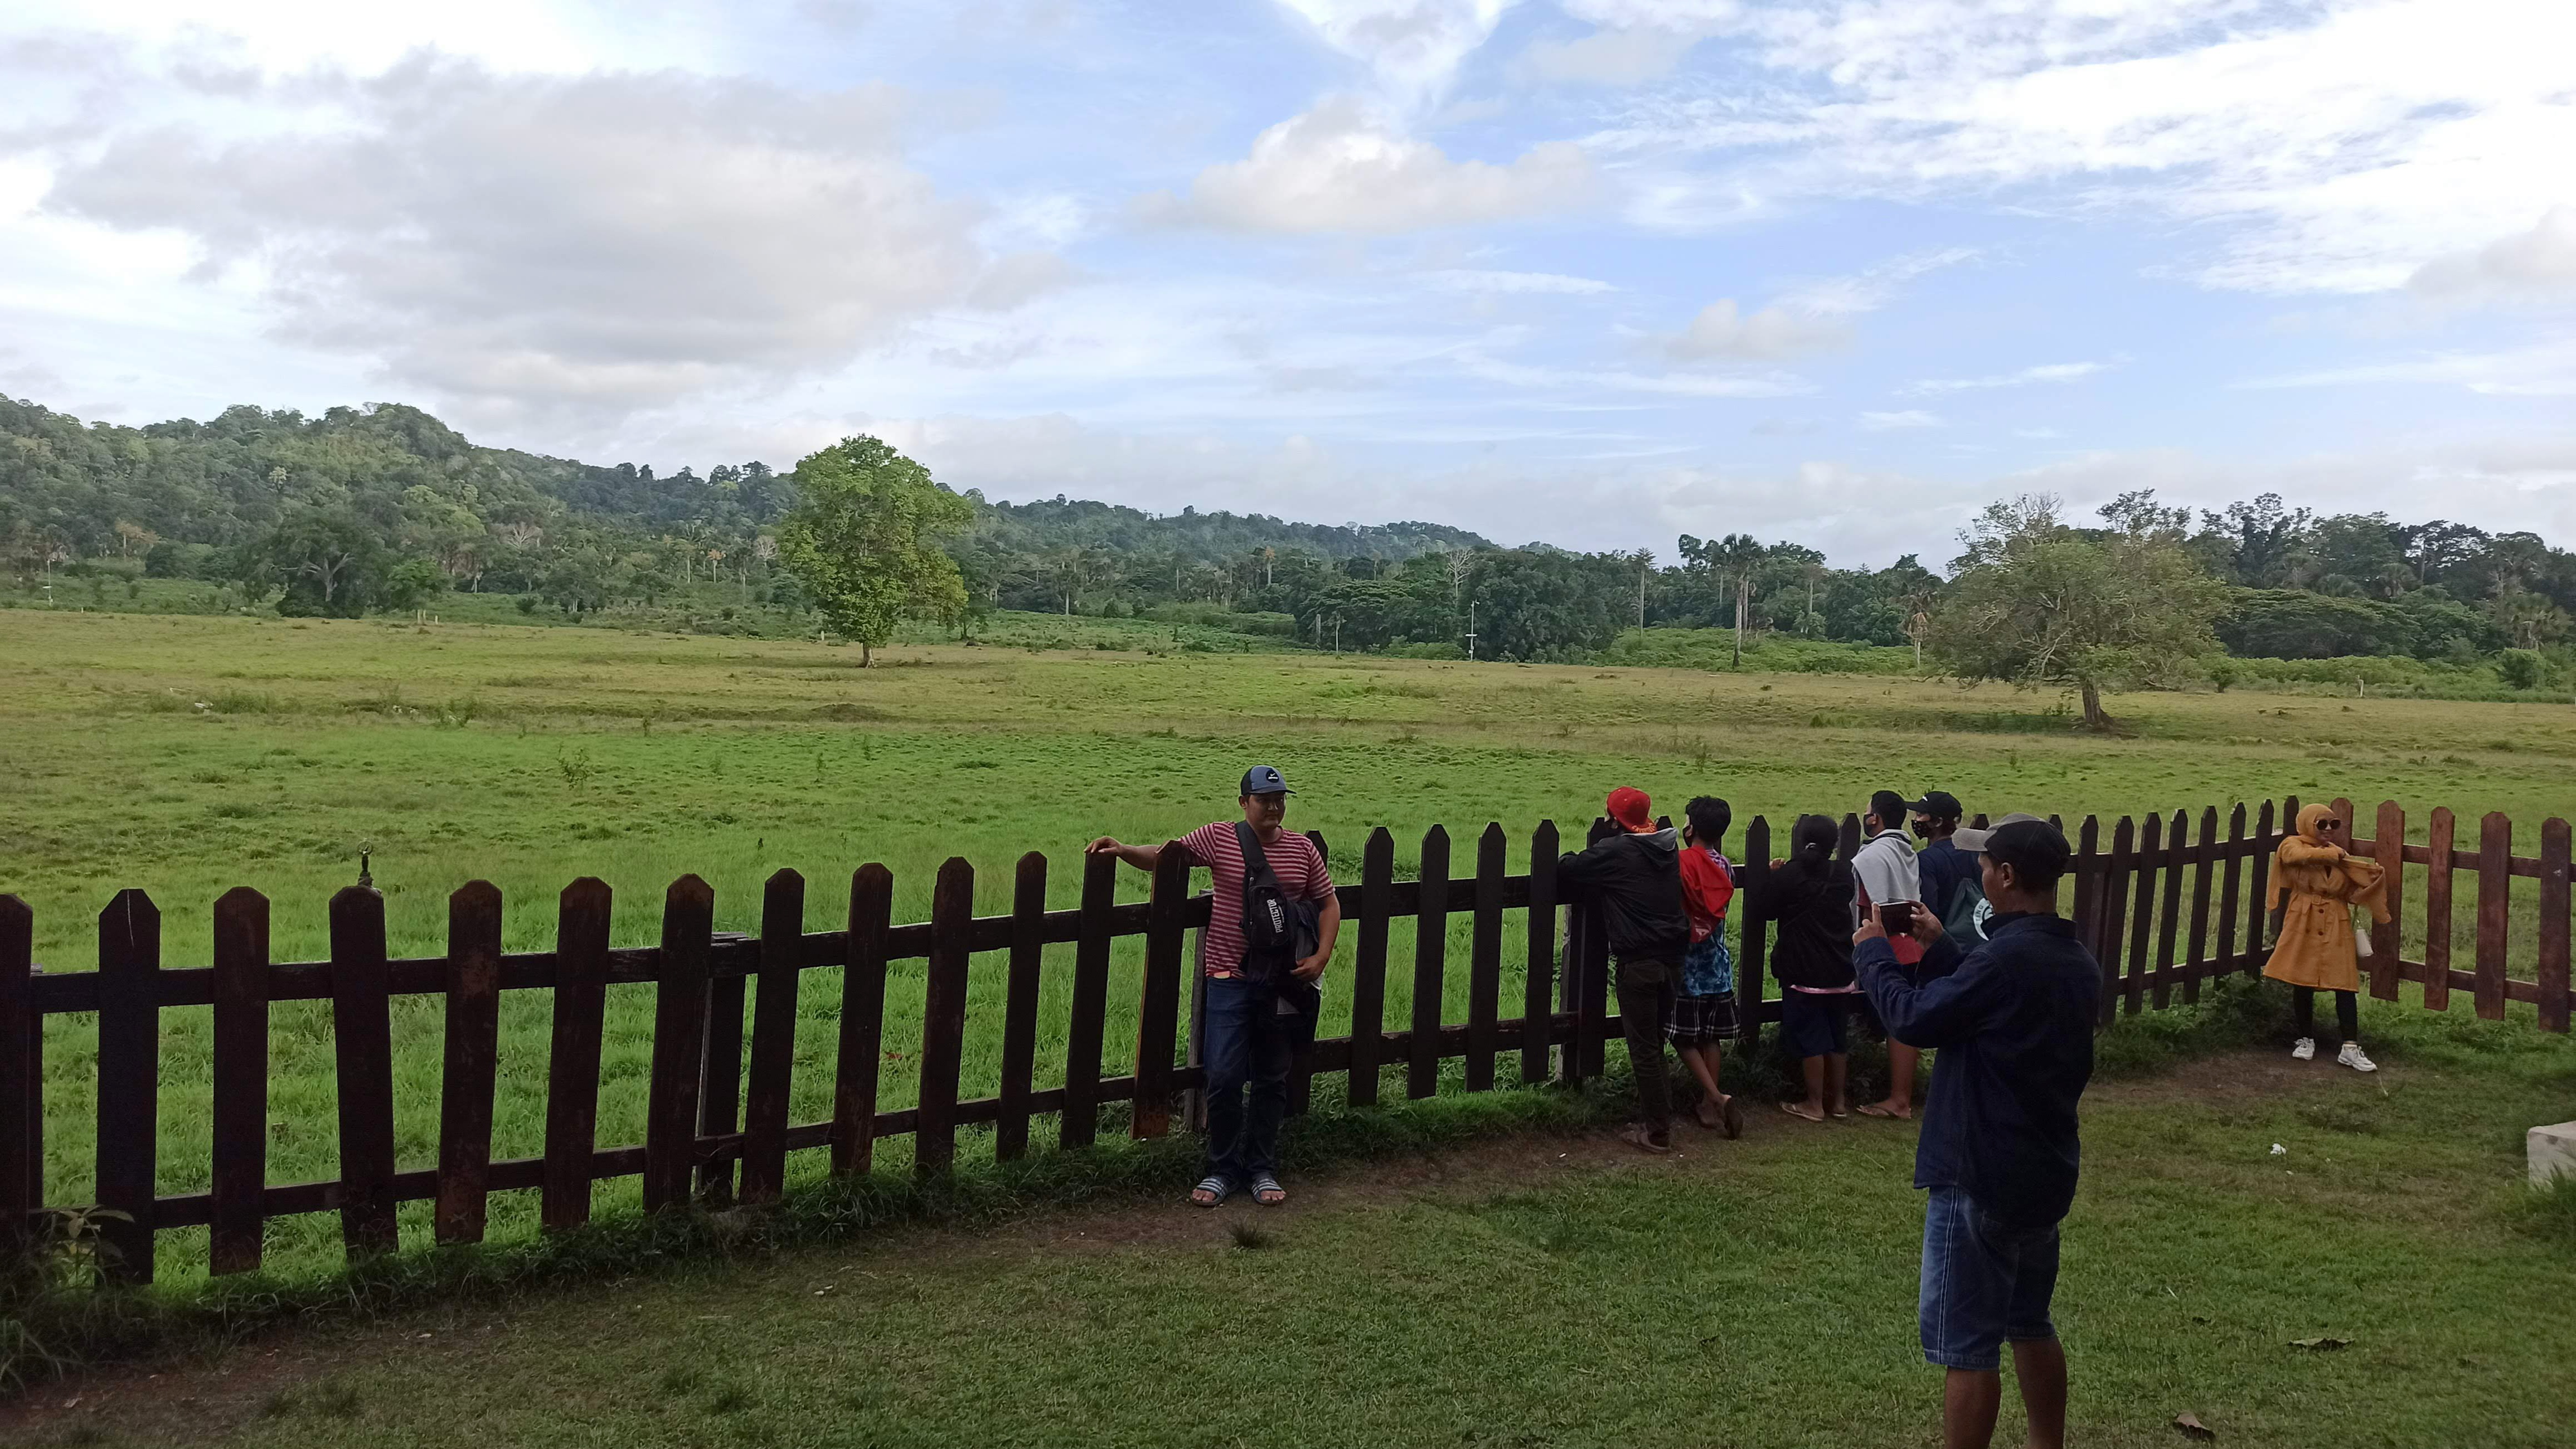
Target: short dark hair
1888,806
2035,850
1708,817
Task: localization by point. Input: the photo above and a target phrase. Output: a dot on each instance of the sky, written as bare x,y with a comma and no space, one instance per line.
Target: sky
1594,272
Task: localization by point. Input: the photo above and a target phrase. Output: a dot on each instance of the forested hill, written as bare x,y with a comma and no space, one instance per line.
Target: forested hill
98,489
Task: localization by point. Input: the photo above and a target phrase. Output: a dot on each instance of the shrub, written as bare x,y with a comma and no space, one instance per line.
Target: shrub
2522,668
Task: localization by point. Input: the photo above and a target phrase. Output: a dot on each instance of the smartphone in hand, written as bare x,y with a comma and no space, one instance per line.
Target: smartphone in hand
1896,918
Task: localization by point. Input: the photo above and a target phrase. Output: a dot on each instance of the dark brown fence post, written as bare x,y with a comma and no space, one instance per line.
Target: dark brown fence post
1538,987
1020,1006
856,1063
1485,960
2177,846
1158,1014
943,1017
679,1043
2437,911
2142,923
21,1169
2088,887
1596,977
1430,953
2553,926
1301,1067
472,1050
129,1079
2230,889
1753,924
2199,960
1080,1121
2495,897
773,1038
572,1063
240,1122
2115,896
2388,847
2266,840
1368,967
720,1082
363,1041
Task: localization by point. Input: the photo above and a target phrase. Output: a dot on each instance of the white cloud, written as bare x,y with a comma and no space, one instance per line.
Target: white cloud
2544,370
1343,167
1632,42
1773,332
1872,287
2540,261
2046,372
1910,418
1679,384
1458,279
532,245
1414,47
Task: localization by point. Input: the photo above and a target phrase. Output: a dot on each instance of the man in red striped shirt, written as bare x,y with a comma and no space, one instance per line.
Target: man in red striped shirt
1255,1019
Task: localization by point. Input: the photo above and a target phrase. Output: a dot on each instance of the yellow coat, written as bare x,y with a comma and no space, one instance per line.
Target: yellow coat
2322,882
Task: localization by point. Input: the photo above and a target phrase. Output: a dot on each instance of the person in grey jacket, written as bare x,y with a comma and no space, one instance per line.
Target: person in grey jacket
1632,883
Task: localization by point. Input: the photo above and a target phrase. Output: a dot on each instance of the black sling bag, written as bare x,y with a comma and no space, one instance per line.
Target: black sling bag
1277,932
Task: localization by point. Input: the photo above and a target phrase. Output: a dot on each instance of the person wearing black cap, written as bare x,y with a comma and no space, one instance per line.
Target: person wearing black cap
1888,874
2013,1021
1948,874
1269,936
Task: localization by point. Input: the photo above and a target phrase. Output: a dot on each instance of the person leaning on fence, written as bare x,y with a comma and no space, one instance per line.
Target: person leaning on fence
1632,881
1810,907
1269,936
1947,875
1999,1151
2316,883
1703,1012
1886,874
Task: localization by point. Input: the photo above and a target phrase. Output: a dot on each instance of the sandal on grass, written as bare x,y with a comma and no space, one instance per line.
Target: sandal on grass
1267,1191
1730,1119
1872,1109
1638,1138
1211,1190
1792,1109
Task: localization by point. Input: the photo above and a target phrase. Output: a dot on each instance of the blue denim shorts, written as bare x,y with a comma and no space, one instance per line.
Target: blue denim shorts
1983,1283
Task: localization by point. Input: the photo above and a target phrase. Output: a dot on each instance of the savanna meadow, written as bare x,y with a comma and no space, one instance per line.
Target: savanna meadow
2282,1252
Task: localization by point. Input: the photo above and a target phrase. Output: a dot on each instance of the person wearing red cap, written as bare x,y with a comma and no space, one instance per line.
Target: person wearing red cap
1632,880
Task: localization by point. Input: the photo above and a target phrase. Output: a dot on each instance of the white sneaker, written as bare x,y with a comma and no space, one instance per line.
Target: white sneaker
2304,1049
2351,1057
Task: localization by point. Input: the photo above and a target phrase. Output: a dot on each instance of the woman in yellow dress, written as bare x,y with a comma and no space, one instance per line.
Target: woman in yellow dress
2322,880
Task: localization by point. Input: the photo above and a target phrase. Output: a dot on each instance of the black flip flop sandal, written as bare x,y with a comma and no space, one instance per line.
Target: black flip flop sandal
1266,1190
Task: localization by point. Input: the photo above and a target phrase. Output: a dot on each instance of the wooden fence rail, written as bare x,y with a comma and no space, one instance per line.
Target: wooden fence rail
2144,905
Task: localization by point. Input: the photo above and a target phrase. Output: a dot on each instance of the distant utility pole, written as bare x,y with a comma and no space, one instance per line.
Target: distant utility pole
1471,630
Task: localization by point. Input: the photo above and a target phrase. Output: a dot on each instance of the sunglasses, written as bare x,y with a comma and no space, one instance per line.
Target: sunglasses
2330,825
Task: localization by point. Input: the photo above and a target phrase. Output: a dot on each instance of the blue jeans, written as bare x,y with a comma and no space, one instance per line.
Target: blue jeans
1983,1283
1247,1045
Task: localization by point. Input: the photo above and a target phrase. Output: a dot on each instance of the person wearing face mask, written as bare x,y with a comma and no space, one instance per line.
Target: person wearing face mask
2316,882
1887,875
1949,875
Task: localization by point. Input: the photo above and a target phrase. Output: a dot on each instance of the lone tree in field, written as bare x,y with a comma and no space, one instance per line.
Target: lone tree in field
2043,604
864,540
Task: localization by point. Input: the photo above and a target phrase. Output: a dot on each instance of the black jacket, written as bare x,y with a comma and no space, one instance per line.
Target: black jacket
1634,884
2013,1021
1811,902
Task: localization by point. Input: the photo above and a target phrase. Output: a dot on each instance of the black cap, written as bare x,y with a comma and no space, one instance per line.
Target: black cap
1939,804
2034,848
1888,806
1265,780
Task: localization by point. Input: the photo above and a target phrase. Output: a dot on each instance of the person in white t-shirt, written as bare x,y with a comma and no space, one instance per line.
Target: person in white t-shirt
1885,874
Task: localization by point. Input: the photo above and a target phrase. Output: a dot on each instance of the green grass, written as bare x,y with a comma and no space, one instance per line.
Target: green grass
528,756
1550,1289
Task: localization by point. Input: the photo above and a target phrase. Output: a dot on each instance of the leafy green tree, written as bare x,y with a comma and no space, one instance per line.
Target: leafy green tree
328,561
2042,604
864,540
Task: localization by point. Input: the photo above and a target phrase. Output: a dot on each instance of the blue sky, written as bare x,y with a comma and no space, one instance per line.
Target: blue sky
1592,271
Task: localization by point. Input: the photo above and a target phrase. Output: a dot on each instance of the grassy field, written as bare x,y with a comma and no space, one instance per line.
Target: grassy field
1552,1289
188,754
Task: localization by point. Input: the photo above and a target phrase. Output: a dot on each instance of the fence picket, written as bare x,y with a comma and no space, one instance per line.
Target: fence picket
773,1037
1301,1067
2553,925
2115,887
1538,986
943,1017
472,1061
1158,1014
1079,1124
21,1030
1430,953
857,1059
2142,922
572,1064
1752,928
2437,910
2087,910
1368,968
236,1215
363,1043
2495,897
720,1083
129,1078
2265,842
2230,892
2388,845
1485,960
1020,1006
679,1043
2177,844
2199,957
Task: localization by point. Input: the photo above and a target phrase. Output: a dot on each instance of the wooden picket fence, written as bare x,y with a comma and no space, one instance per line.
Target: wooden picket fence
2161,911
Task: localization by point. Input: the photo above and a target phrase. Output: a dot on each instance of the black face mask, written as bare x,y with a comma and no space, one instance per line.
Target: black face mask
1922,831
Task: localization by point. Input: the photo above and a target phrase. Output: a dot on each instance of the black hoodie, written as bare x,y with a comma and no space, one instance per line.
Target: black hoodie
1635,883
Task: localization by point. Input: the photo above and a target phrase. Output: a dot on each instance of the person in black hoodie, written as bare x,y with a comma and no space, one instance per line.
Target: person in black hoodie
1810,900
1633,883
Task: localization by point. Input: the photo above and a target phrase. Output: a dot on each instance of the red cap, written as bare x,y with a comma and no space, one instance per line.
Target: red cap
1630,807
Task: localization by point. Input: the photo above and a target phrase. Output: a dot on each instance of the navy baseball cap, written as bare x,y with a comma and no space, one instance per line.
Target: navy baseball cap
1265,780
